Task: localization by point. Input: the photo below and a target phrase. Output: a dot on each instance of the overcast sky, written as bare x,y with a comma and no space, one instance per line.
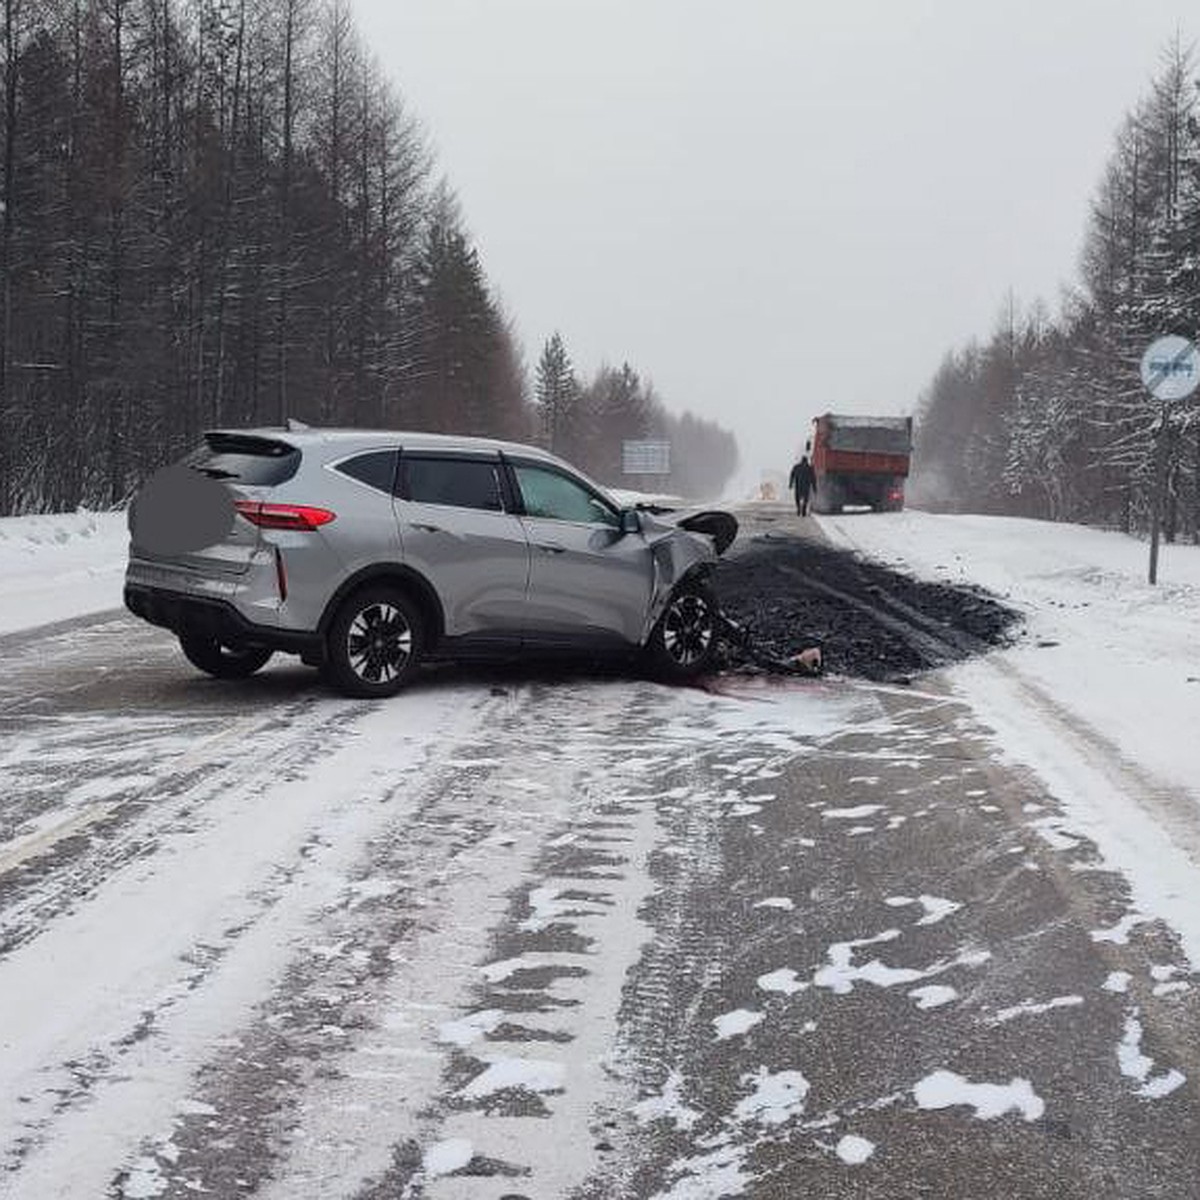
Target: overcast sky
771,208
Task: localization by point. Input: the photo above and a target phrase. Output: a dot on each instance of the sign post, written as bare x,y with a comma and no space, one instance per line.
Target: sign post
1170,371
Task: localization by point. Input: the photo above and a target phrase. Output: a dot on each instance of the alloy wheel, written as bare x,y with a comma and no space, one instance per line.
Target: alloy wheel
379,643
687,629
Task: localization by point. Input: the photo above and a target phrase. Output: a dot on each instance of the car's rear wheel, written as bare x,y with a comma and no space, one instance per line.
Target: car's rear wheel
221,661
374,643
684,642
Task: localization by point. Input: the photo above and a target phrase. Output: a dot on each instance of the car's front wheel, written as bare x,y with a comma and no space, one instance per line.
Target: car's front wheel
374,643
684,642
221,661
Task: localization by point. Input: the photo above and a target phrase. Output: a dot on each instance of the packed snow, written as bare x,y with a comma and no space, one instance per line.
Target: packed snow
783,981
1139,1066
468,1030
1100,696
776,1097
933,995
668,1105
53,568
854,1150
531,1075
734,1024
1030,1008
444,1158
937,908
945,1089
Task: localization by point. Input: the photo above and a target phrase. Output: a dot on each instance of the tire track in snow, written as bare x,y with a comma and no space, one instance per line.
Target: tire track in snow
78,846
177,945
783,1104
1081,776
328,1081
542,1074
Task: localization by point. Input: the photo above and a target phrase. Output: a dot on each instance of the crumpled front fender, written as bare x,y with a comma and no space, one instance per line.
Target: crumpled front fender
677,554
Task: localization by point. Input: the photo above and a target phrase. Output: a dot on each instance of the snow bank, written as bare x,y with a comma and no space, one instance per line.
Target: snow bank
56,567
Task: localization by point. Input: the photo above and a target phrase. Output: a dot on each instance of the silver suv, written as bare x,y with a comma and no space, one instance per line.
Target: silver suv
368,552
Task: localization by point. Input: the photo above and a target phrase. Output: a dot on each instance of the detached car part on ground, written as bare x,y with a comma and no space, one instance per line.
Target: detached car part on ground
368,552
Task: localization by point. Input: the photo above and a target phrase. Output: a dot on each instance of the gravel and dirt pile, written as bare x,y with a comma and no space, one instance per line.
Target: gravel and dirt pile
790,592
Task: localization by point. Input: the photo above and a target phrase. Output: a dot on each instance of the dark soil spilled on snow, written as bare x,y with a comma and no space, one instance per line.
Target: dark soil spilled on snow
789,592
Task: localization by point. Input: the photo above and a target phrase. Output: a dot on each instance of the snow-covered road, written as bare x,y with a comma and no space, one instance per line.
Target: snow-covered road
513,936
1109,648
1101,697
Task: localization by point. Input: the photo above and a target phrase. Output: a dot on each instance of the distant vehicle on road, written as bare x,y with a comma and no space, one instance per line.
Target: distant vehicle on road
860,461
366,552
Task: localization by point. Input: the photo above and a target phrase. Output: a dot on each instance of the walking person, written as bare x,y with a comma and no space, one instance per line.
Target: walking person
801,481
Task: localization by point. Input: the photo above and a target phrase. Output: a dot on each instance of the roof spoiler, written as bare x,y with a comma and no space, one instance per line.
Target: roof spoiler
224,441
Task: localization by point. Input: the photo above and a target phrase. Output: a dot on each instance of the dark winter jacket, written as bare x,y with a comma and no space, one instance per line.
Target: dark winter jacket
802,479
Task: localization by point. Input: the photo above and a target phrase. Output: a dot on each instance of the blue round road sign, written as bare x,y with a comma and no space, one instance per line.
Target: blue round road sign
1171,368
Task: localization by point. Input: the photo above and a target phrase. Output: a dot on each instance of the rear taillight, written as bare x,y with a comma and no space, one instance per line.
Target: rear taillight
284,516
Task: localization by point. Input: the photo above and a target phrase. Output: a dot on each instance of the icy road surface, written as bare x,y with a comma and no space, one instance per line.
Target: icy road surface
501,937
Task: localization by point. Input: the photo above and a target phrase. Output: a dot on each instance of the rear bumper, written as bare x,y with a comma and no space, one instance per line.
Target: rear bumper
859,487
213,618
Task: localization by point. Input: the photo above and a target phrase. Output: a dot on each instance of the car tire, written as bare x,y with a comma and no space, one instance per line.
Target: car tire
221,661
683,644
374,644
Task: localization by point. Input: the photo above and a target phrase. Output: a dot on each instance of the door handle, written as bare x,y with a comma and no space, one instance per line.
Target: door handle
426,528
549,549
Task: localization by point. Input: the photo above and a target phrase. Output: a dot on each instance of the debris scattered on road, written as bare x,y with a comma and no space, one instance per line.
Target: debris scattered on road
743,648
799,607
808,660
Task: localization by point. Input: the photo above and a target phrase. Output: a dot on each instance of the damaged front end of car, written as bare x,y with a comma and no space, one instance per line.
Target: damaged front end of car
684,549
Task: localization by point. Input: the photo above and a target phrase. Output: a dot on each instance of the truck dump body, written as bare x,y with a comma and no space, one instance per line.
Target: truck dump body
860,461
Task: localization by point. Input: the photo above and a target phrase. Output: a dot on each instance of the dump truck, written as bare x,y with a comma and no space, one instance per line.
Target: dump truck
860,461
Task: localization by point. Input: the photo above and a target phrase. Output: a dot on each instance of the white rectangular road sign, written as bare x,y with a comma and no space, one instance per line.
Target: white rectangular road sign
646,457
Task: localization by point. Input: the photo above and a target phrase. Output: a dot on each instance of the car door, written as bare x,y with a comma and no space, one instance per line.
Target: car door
455,531
588,581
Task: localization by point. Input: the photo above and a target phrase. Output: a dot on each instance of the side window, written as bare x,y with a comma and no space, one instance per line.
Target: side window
546,493
376,468
461,482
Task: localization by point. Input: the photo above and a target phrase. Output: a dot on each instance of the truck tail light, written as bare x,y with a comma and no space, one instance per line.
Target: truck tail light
301,517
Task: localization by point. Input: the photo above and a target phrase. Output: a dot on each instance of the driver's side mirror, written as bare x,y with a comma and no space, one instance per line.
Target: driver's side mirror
631,522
